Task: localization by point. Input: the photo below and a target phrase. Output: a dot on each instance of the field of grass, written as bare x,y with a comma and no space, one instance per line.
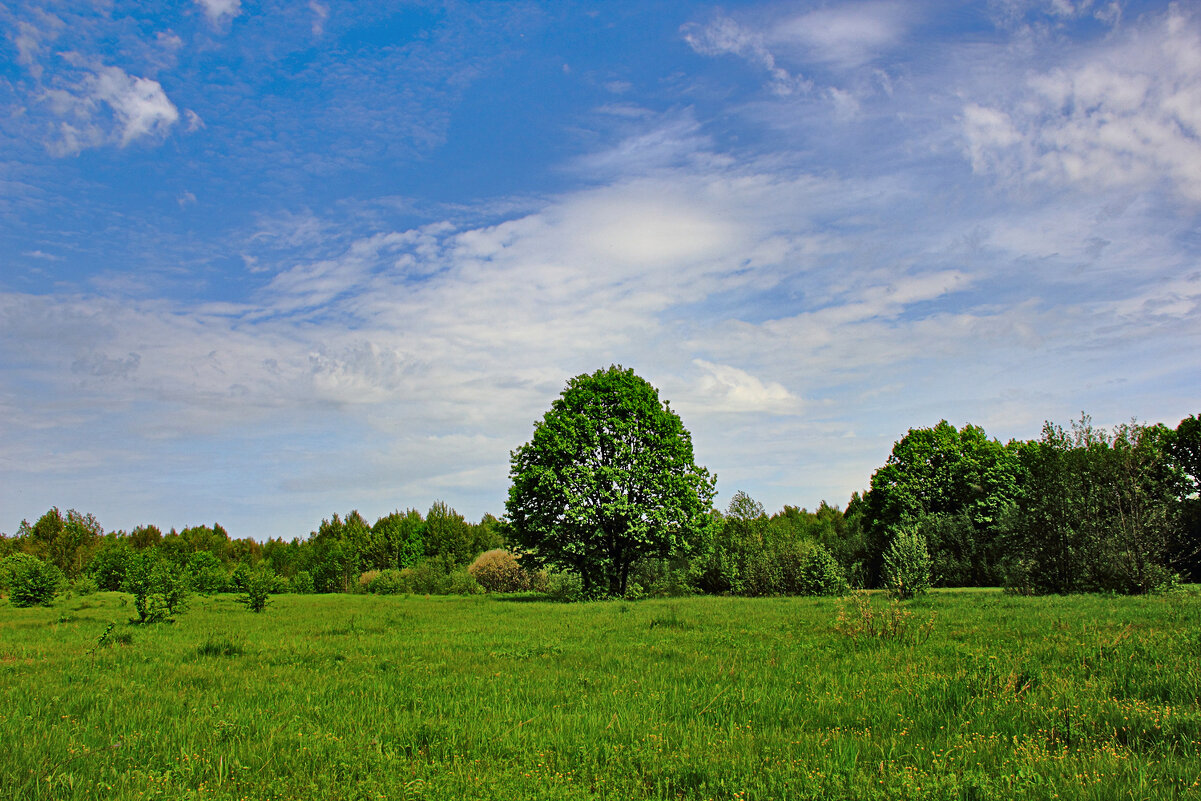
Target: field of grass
368,697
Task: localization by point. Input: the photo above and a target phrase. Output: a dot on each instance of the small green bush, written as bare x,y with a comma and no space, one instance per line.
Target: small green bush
84,585
29,580
259,584
461,582
159,589
389,582
907,569
820,574
302,583
563,586
206,575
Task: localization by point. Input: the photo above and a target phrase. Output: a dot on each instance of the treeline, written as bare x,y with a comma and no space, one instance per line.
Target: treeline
1080,509
429,553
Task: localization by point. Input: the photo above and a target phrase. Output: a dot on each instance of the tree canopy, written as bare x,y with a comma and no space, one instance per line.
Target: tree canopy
608,478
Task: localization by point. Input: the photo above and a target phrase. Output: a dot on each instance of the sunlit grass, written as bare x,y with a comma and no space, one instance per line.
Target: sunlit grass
357,697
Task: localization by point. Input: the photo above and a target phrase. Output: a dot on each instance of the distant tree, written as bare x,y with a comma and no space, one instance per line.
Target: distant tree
108,563
397,541
339,550
447,536
205,573
1097,510
65,542
607,479
1185,457
144,537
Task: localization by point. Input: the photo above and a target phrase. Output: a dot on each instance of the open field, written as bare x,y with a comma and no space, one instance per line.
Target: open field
358,697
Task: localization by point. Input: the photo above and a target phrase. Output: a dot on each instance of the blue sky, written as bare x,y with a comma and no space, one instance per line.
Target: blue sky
262,262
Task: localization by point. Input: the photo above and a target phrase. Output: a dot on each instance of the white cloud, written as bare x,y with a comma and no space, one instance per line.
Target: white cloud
137,108
1126,114
320,15
845,36
219,11
724,388
725,36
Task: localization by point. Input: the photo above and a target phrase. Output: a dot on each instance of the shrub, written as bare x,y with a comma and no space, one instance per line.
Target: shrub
499,571
84,585
860,621
820,574
389,582
259,585
205,573
461,582
238,578
302,583
29,580
563,586
158,587
365,580
907,564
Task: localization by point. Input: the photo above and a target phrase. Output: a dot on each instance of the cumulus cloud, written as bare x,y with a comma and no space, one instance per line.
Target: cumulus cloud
730,389
108,106
1127,113
218,11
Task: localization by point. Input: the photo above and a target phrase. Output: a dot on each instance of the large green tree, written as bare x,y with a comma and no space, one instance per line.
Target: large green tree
608,478
958,486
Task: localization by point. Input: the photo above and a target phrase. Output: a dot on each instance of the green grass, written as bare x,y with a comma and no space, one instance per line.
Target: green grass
364,697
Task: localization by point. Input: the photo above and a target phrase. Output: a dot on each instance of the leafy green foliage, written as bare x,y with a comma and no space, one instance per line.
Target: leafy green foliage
956,474
30,581
65,542
821,574
259,585
158,587
205,573
607,479
109,562
907,564
1097,512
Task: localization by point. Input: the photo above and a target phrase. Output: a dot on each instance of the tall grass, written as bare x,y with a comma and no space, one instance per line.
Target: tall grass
361,697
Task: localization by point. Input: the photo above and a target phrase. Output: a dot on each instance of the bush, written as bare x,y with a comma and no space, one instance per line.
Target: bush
29,580
907,564
461,582
302,583
84,585
158,587
389,582
820,574
259,586
562,586
365,580
499,571
859,621
205,573
239,578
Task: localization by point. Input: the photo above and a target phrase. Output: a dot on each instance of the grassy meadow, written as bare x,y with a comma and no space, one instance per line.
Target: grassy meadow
373,697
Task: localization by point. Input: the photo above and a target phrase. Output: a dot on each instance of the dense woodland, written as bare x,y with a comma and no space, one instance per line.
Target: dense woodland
1080,509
